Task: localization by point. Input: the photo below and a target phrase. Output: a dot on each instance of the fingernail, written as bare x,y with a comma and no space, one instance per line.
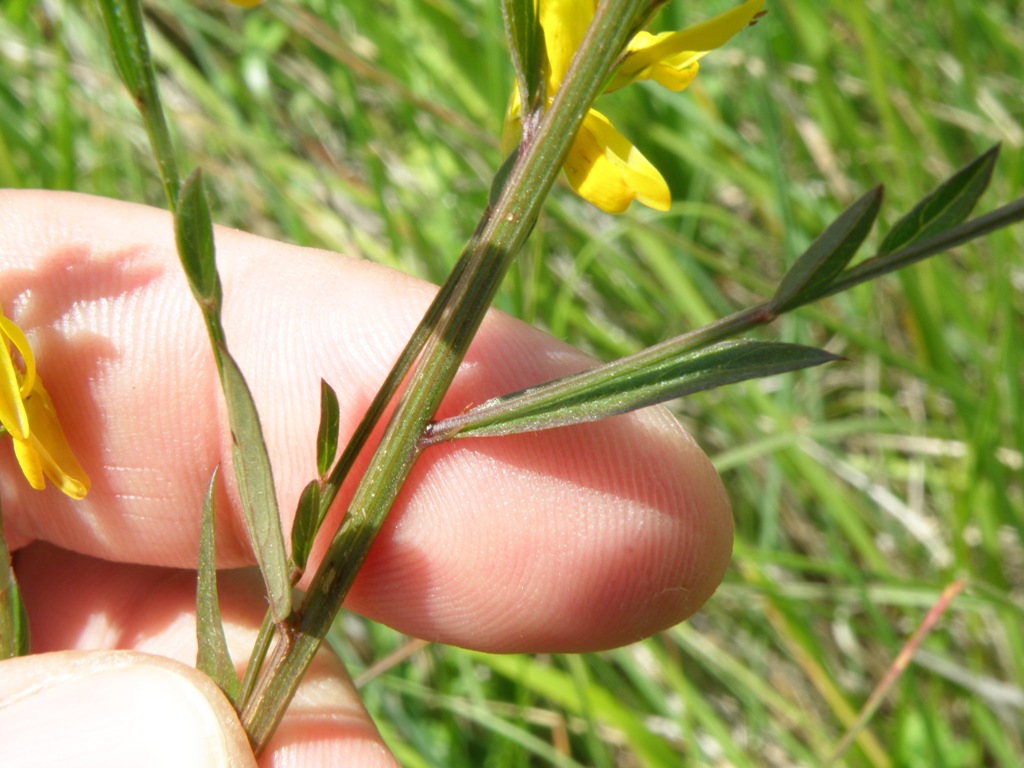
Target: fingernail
128,716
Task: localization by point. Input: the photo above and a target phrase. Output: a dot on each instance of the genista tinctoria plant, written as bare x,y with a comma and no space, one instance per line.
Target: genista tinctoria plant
565,55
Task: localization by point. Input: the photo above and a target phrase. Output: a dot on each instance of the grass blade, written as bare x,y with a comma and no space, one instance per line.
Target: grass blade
897,668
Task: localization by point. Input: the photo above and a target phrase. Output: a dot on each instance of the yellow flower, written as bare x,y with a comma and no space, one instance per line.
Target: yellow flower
602,166
27,414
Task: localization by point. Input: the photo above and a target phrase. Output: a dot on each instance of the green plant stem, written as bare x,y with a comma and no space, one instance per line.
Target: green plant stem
127,39
505,228
567,387
13,620
259,654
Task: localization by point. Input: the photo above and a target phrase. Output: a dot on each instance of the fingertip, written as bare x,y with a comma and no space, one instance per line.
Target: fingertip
116,709
581,539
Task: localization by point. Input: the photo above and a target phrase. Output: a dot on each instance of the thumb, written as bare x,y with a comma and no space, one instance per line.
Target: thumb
115,708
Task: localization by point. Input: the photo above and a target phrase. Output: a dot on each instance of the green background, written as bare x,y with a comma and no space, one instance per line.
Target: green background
860,490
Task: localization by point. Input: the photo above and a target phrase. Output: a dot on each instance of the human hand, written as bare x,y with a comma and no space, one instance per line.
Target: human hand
568,540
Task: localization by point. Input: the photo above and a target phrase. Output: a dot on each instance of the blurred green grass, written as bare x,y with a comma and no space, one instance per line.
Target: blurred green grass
860,490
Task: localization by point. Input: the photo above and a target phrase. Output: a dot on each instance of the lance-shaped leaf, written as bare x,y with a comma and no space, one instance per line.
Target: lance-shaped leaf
876,266
527,46
614,389
306,524
127,38
213,657
828,255
947,206
327,433
193,231
256,486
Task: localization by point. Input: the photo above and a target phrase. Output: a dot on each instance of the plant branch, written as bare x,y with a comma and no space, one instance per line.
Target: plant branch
503,231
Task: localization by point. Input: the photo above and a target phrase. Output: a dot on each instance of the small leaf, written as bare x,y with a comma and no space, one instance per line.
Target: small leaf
502,175
193,229
614,389
256,486
327,434
127,39
979,226
828,255
527,46
307,522
213,657
947,206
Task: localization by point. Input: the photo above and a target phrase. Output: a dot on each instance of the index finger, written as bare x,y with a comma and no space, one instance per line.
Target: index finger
581,537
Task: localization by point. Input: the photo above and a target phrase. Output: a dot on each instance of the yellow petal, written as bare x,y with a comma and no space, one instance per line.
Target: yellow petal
512,130
679,49
245,3
28,460
13,332
675,72
47,449
12,409
564,24
608,171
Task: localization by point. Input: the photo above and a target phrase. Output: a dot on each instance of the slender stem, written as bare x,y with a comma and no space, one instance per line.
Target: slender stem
127,38
13,634
504,230
390,386
256,659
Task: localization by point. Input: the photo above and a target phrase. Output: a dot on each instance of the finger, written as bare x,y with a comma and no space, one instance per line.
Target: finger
115,709
141,616
573,539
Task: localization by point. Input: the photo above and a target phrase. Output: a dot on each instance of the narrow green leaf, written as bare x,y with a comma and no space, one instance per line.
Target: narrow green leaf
256,486
307,522
876,266
123,22
828,255
598,394
193,231
14,638
327,434
213,657
947,206
501,177
527,45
